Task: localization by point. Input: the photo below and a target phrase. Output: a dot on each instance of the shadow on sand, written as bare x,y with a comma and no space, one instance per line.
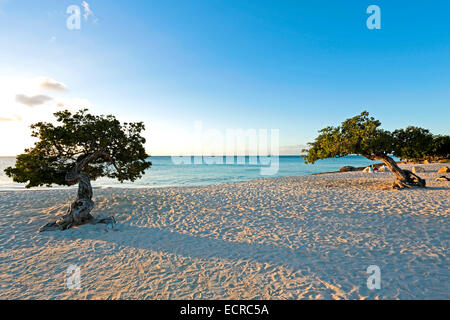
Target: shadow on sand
314,263
200,247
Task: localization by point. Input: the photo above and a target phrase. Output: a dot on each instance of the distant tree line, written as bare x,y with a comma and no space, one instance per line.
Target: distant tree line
418,144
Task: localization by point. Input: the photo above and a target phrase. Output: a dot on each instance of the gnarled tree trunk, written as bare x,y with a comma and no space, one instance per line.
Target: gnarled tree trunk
79,212
405,178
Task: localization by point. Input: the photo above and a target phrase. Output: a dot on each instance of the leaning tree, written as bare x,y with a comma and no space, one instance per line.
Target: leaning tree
80,148
361,135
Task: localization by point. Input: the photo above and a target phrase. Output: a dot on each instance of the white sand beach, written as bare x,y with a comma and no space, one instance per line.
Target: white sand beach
309,237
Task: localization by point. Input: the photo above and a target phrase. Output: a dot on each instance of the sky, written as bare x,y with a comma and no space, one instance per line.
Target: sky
296,66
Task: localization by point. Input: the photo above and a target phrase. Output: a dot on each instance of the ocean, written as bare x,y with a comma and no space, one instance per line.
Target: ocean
167,173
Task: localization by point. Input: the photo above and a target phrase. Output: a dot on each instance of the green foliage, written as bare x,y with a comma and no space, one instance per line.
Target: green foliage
60,147
412,143
362,135
357,135
441,147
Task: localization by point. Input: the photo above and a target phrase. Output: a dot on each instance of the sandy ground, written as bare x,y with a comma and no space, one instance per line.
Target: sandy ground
284,238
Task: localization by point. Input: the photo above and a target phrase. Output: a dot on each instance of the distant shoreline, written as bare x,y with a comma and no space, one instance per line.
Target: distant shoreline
376,166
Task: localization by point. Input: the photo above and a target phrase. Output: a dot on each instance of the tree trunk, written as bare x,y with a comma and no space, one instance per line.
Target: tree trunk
79,211
405,178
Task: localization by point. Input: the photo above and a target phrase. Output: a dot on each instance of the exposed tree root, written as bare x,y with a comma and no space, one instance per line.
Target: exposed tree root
79,212
77,215
405,178
410,181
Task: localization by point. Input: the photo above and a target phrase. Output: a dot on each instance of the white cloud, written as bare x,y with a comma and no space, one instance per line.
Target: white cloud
87,10
17,96
51,84
11,119
32,101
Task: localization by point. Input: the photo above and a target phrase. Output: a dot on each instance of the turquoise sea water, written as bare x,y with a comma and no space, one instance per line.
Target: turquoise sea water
166,173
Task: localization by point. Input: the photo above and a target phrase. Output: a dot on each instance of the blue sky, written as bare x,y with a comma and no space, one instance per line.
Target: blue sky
296,66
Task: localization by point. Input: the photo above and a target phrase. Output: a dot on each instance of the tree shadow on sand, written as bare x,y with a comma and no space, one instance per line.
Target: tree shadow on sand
338,266
437,188
317,264
201,247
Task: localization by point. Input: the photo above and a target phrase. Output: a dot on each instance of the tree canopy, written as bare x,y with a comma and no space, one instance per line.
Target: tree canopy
413,143
358,135
440,148
114,150
362,135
